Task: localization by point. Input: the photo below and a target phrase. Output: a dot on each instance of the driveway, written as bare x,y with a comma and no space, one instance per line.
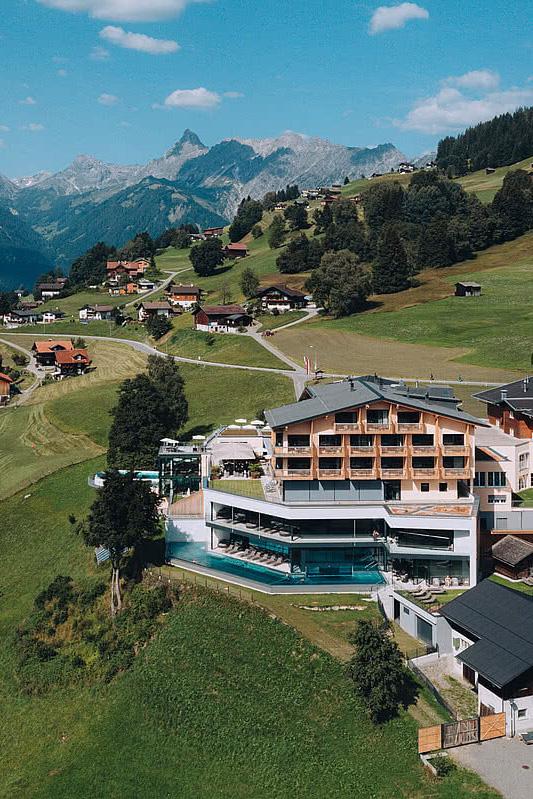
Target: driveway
505,764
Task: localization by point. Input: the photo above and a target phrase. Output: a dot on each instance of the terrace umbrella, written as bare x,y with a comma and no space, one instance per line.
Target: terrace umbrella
241,421
257,422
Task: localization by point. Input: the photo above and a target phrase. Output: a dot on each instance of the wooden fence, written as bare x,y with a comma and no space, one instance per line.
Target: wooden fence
459,733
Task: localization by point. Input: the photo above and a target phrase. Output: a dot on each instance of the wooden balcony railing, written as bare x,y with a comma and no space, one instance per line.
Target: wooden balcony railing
454,449
427,473
351,427
458,474
429,450
394,474
388,450
337,450
363,450
329,473
365,473
409,427
377,427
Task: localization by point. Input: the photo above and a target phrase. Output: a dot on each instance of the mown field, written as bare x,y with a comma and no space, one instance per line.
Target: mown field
68,422
225,702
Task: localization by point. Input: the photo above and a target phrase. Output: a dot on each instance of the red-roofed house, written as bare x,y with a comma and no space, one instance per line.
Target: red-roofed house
156,308
45,351
183,296
131,269
221,318
71,362
236,250
5,388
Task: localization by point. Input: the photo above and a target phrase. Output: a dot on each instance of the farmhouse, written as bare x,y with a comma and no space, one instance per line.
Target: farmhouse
221,318
95,312
213,232
71,362
121,290
131,269
5,388
48,290
467,290
510,407
513,557
492,643
280,298
155,308
185,296
45,351
236,250
145,285
23,317
48,317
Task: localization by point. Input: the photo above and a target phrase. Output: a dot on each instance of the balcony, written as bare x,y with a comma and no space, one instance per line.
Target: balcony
457,474
425,473
454,449
428,451
398,452
364,451
393,474
356,474
305,450
347,427
377,427
328,473
409,427
337,450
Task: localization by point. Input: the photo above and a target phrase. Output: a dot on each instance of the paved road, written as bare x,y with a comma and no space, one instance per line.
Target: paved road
505,764
31,367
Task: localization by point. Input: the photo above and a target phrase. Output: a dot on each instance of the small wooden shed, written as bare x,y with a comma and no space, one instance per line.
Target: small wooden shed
467,290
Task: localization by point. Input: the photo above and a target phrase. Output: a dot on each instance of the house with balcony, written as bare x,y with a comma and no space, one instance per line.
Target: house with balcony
364,481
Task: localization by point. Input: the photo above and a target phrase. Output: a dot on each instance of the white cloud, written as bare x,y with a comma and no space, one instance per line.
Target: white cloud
138,41
233,95
124,124
476,79
33,127
62,73
99,53
386,18
451,110
3,144
191,98
123,10
107,99
28,101
4,129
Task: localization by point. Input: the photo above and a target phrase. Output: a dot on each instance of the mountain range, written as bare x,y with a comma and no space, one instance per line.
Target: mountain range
51,218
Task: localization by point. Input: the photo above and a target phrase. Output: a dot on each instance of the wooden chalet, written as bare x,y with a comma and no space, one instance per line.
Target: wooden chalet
221,318
130,269
513,557
96,312
510,407
23,316
236,250
127,288
184,296
5,388
71,362
156,308
45,351
213,232
280,298
48,291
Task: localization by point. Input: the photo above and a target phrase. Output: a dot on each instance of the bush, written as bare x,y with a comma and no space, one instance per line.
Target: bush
19,359
442,765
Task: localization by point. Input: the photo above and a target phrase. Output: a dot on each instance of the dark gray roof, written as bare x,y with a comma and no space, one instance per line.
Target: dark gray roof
294,293
512,550
354,392
502,619
468,285
517,395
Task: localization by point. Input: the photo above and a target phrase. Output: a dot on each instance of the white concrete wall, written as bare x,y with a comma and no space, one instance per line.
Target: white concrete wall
181,530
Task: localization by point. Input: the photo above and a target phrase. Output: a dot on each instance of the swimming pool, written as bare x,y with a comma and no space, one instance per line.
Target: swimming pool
197,552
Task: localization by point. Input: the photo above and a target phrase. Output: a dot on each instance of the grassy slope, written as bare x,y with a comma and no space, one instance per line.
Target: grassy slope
227,702
232,348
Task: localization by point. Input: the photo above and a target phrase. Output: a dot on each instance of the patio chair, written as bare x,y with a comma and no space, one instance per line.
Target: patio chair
455,582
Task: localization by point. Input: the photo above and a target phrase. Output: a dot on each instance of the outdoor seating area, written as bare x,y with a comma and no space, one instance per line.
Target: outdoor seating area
252,554
256,524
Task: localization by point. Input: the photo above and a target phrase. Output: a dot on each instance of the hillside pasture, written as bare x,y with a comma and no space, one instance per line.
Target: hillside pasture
235,348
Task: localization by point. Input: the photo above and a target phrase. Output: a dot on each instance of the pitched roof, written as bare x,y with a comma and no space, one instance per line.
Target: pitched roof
236,246
156,305
517,396
354,392
98,308
72,356
174,288
297,295
468,285
502,619
221,310
47,346
5,378
512,550
50,286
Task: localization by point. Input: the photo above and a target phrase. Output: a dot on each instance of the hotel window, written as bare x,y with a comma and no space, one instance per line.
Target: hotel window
329,441
523,460
496,499
408,417
346,417
496,479
298,441
392,441
453,439
374,416
421,462
361,463
480,479
422,440
361,441
443,487
279,438
424,487
457,462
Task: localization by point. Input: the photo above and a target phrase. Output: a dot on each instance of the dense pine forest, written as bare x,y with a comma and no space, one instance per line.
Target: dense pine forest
502,141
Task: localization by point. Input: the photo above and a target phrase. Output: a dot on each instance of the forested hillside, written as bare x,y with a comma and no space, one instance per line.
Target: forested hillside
501,141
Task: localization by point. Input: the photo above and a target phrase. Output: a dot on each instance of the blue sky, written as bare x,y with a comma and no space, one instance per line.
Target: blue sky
121,79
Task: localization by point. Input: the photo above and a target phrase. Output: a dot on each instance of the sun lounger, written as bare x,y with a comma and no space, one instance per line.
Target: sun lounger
527,737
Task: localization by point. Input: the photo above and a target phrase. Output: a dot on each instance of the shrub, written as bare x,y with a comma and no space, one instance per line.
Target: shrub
442,765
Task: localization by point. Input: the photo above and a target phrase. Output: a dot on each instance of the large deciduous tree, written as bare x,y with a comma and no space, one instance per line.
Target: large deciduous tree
249,282
379,676
206,256
165,374
123,514
341,283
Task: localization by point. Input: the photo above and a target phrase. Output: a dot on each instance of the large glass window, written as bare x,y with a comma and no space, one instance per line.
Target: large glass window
392,490
392,441
374,416
457,462
298,463
422,440
298,441
346,417
423,463
408,417
330,441
279,438
361,441
453,439
496,479
329,463
392,463
422,539
361,463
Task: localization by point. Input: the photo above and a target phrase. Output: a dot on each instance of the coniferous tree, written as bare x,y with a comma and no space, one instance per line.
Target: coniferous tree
276,232
391,271
435,247
513,204
295,258
296,216
165,374
249,282
341,283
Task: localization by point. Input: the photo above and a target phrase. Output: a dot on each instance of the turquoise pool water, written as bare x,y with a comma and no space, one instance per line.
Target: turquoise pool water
139,475
196,552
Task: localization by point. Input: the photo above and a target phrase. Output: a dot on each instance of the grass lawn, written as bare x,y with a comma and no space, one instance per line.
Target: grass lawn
225,702
438,599
269,321
26,379
524,589
66,328
71,305
244,488
225,348
527,498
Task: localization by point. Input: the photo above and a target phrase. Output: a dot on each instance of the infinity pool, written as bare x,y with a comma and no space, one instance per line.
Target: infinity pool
196,552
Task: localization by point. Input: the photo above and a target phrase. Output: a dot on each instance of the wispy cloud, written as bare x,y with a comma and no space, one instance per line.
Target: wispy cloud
451,109
99,53
386,18
233,95
28,101
123,10
62,73
33,127
4,129
190,98
108,99
138,41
